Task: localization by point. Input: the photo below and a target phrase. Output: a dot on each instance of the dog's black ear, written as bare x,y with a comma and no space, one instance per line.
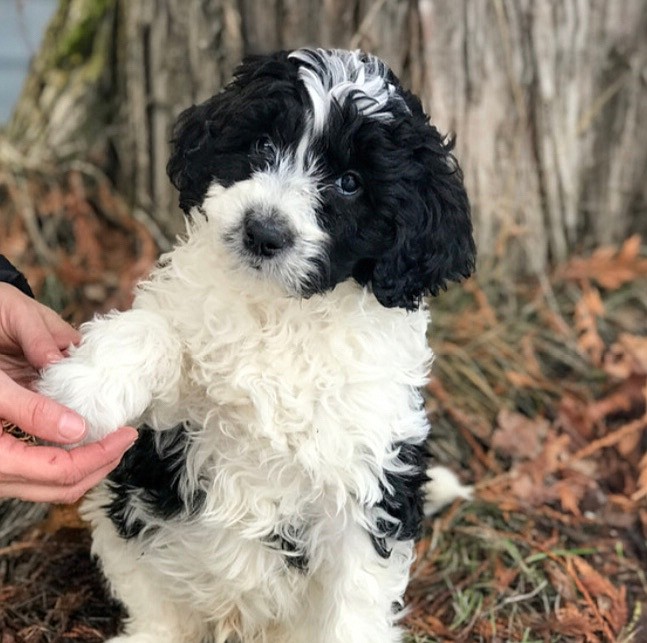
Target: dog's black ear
190,135
433,241
201,131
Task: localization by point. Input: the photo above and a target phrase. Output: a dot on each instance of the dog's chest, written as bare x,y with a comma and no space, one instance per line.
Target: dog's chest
310,394
295,363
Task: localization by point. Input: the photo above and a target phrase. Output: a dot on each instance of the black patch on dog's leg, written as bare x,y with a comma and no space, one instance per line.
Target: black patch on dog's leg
404,501
148,479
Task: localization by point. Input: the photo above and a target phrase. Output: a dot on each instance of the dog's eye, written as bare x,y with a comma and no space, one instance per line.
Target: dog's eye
349,183
265,146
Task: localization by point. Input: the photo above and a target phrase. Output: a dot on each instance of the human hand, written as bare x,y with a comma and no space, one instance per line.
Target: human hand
32,336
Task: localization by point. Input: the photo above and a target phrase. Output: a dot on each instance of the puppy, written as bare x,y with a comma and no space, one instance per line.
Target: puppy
273,361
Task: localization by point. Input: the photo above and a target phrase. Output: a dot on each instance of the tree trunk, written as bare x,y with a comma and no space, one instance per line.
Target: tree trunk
548,98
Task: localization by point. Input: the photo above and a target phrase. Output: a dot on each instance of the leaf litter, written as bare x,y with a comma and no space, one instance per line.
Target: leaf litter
550,426
538,398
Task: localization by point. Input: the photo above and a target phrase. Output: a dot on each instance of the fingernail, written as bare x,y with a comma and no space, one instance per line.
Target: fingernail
51,358
71,427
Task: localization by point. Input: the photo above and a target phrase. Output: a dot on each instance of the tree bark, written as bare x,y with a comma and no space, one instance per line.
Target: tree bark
548,98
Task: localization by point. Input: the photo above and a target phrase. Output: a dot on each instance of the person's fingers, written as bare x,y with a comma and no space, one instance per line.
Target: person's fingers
38,331
38,415
24,463
28,328
61,331
38,492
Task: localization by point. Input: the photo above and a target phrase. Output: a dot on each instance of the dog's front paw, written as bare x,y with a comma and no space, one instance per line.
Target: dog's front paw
85,387
123,361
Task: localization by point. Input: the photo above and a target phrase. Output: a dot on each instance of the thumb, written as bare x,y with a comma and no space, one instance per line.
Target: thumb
38,415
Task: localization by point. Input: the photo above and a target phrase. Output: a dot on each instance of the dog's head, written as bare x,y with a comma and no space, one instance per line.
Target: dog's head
316,166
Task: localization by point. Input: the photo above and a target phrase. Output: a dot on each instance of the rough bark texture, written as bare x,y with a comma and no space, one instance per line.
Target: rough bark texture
548,97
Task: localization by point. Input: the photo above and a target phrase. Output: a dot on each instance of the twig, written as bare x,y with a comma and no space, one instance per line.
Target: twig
18,547
518,598
607,441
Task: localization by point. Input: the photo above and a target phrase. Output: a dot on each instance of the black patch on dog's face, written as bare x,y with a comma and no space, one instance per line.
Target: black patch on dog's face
222,139
404,233
148,478
404,501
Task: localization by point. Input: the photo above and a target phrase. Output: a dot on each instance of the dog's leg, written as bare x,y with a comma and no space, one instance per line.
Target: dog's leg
153,617
353,594
125,362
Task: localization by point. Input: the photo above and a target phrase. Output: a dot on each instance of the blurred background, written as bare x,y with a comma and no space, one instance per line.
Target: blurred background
21,28
538,392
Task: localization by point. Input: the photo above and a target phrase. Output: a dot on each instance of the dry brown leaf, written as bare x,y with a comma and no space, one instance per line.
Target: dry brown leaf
555,452
608,266
629,394
571,620
569,495
626,357
485,310
574,416
587,310
525,490
518,436
503,576
522,380
630,249
561,581
629,444
611,601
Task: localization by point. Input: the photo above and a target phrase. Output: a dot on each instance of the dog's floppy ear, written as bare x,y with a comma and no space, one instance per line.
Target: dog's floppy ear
433,242
188,135
199,130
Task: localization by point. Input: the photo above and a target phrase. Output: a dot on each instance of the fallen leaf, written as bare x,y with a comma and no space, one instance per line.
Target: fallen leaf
561,581
503,576
630,393
574,416
587,311
569,495
627,356
611,601
517,435
608,266
571,620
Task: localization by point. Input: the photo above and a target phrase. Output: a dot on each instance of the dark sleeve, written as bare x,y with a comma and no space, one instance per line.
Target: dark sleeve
11,275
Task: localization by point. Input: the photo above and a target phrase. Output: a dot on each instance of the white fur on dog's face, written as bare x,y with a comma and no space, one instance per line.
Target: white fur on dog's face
286,190
289,186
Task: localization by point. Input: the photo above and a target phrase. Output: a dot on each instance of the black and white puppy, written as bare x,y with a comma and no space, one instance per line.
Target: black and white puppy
275,356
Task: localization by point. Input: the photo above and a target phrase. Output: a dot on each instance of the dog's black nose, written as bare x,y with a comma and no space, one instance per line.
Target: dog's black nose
266,235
